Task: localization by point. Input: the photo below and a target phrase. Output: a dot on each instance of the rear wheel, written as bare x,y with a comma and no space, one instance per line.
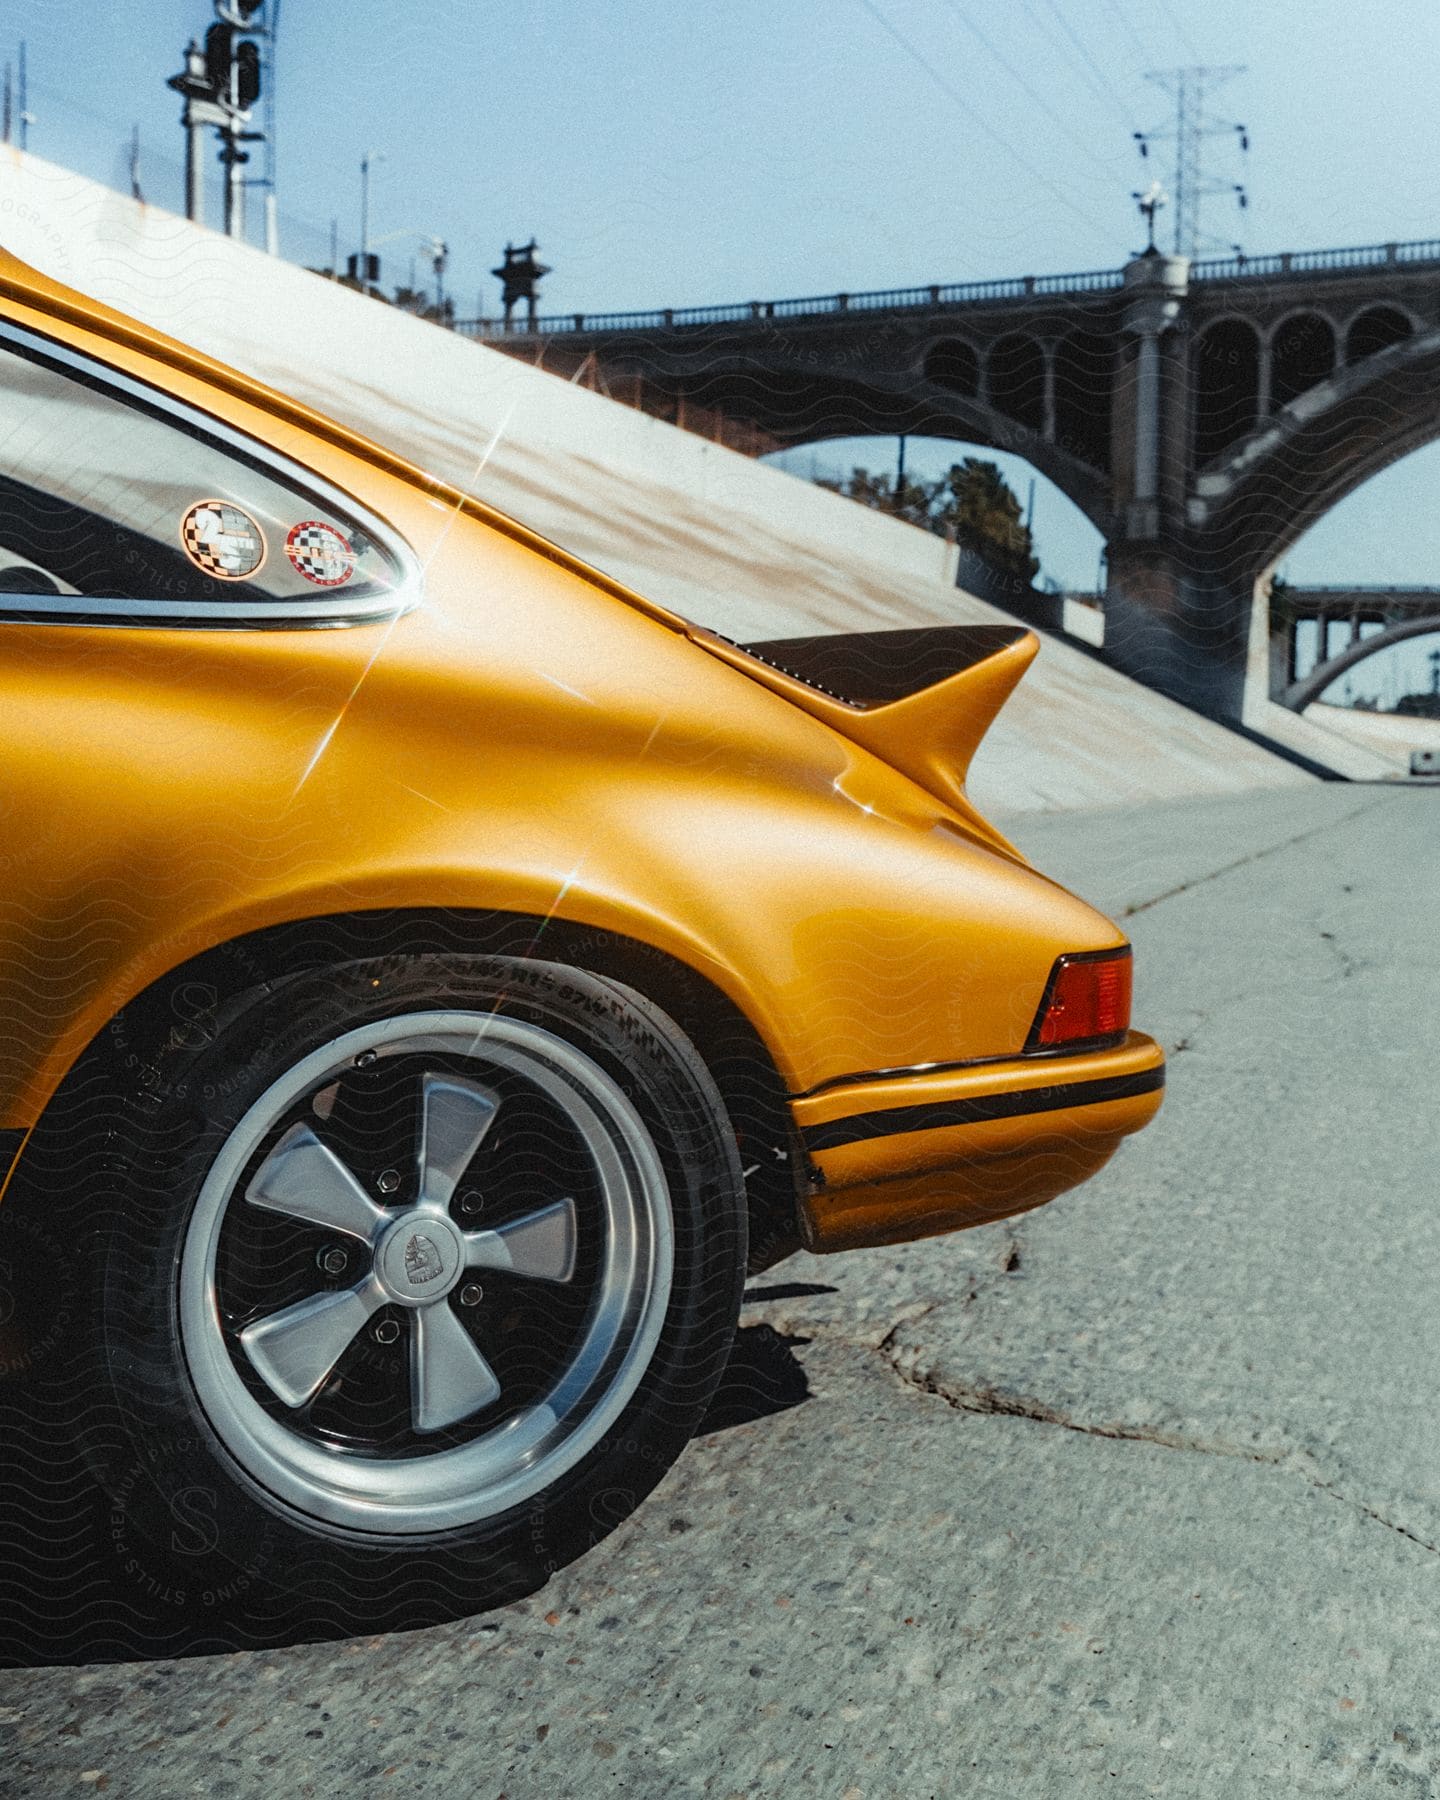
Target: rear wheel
419,1274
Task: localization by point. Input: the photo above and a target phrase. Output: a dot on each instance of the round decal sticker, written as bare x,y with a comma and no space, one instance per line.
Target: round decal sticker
222,540
320,553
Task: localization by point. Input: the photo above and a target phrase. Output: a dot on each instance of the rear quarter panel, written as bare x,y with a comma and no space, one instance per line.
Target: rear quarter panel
521,742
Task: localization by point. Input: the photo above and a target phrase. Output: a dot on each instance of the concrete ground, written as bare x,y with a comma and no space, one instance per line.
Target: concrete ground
1139,1495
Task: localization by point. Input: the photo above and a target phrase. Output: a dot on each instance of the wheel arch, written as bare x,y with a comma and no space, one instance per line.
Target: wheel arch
198,987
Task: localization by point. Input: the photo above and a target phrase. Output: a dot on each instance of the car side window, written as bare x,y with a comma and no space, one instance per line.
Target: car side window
105,496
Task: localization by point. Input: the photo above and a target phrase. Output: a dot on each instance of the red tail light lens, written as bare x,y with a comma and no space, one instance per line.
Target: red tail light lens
1087,1001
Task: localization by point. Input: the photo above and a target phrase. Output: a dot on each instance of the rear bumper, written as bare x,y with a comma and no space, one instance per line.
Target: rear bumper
895,1157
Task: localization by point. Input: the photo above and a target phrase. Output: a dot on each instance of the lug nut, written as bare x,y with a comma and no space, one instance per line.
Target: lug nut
333,1261
386,1332
388,1180
471,1294
471,1203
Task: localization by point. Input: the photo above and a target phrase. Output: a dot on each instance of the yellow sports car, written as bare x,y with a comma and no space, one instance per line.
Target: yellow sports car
432,974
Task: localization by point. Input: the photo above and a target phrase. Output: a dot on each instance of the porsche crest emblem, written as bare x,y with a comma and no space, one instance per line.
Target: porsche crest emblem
423,1262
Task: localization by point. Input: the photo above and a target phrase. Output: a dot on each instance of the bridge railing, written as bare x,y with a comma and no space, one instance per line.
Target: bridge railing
1315,262
1311,602
965,293
956,294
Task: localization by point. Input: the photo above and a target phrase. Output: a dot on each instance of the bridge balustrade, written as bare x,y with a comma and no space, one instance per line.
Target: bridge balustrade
966,293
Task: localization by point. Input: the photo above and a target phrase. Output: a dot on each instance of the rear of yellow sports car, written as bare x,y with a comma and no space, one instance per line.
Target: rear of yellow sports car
530,740
428,925
1020,1075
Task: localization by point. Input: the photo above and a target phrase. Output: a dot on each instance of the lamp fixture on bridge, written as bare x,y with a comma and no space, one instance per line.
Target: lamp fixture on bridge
519,277
1150,202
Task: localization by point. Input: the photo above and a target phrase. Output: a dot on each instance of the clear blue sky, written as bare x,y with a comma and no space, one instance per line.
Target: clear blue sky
669,153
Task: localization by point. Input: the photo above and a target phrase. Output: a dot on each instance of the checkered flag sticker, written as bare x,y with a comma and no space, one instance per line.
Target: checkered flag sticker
222,540
320,552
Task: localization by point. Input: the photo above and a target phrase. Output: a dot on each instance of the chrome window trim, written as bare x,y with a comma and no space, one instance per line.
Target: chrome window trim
336,610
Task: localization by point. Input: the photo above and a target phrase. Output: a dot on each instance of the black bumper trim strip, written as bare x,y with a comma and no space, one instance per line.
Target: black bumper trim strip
938,1113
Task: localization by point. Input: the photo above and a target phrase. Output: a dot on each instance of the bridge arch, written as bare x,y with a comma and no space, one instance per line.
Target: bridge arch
1226,367
1290,471
1302,352
1310,687
1015,372
1084,378
964,421
1376,328
954,364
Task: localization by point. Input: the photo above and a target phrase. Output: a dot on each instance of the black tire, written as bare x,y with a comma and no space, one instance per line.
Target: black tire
201,1517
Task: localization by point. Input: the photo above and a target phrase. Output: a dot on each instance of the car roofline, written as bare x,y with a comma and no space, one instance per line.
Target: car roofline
25,286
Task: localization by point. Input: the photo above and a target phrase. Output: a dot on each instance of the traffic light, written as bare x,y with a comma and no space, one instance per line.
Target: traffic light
247,73
219,54
222,53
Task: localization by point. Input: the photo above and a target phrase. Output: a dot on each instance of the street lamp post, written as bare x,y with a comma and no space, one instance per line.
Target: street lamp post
1149,203
436,249
370,156
26,117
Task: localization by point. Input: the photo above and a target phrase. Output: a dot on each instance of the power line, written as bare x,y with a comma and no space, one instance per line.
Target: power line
1099,79
998,137
1032,94
1128,23
1180,31
1100,93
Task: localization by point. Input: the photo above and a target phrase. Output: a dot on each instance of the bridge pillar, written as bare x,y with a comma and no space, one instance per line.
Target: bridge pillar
1150,411
1168,621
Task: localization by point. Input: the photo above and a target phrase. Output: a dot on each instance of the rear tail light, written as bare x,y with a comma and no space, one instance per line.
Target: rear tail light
1087,1002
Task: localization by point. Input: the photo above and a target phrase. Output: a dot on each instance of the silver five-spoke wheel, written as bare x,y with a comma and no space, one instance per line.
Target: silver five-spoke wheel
425,1273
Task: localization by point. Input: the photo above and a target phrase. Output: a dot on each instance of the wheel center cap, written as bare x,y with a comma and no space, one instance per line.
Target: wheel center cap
420,1258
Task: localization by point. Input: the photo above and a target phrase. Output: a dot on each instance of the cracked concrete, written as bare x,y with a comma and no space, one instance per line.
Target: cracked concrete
1254,855
1139,1493
994,1402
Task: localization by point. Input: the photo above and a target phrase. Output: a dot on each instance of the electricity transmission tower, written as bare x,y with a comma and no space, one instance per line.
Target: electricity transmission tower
1191,89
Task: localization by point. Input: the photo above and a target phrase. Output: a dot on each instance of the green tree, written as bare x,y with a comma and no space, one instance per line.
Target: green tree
978,503
973,503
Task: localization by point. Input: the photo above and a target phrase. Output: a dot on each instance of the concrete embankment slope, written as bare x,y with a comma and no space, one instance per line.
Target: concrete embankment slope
748,550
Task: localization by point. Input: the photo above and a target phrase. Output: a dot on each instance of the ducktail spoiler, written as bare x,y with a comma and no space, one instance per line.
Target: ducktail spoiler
921,700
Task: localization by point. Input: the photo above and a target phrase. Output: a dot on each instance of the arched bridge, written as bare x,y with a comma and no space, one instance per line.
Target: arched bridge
1202,414
1346,626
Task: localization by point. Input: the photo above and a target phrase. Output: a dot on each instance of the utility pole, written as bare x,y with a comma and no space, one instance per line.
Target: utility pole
14,115
135,193
1191,88
200,110
26,121
267,82
365,268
